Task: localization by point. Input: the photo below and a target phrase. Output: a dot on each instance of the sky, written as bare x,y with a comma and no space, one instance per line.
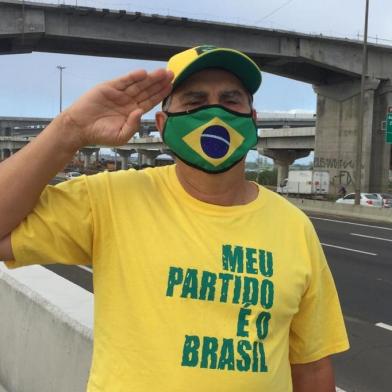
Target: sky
29,83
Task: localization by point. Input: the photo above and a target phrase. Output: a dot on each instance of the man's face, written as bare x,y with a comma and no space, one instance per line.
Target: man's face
211,87
208,87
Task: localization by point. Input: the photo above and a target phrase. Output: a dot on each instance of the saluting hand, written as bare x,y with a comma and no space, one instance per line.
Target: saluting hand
109,114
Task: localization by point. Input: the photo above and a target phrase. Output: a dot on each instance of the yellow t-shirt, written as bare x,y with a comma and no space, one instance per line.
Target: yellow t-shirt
189,296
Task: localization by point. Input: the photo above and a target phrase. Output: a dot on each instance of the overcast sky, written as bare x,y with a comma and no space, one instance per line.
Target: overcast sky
29,83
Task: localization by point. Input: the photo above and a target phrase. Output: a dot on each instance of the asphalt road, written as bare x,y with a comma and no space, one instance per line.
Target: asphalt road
360,257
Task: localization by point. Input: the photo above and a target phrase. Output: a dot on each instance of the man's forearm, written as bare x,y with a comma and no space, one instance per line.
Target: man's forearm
314,376
24,175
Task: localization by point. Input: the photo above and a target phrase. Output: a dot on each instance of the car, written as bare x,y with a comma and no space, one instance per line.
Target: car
367,199
385,198
71,175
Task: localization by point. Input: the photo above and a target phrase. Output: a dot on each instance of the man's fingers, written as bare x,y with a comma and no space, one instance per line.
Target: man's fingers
131,125
159,76
123,82
153,89
140,88
136,77
153,100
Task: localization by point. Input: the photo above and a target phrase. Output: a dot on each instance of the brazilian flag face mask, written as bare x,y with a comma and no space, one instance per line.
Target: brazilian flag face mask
210,138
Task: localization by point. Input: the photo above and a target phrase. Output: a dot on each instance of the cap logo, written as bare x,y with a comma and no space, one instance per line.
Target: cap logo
204,48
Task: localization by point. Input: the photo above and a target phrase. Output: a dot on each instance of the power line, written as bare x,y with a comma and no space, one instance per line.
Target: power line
376,38
274,11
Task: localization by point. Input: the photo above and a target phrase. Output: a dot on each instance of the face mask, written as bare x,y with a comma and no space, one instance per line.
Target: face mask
211,138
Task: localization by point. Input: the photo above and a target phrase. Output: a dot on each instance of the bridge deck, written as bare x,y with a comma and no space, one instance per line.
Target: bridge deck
316,59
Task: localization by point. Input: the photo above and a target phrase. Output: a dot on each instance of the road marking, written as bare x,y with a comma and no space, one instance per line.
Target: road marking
385,326
85,268
350,319
340,389
352,223
370,236
349,249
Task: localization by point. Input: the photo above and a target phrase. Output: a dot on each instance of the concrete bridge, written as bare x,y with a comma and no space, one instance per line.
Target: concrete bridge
30,126
286,136
332,66
285,141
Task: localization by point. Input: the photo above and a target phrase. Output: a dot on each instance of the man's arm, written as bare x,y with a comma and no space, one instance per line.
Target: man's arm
24,175
108,114
314,376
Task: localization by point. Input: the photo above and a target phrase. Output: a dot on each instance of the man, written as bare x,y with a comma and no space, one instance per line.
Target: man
203,281
342,191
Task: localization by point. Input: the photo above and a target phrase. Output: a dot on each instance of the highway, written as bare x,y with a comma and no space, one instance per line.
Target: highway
360,258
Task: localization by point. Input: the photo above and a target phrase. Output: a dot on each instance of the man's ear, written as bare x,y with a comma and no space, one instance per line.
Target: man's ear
160,120
254,114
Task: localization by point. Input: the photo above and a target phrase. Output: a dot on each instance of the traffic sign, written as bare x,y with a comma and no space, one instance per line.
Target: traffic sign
389,125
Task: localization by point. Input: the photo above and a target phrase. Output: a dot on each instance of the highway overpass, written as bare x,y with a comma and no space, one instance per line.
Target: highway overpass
26,126
331,65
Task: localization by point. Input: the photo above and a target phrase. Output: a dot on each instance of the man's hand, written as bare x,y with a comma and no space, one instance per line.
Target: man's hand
109,114
314,376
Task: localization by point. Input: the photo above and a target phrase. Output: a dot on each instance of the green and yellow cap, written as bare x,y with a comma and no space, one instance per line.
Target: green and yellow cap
186,63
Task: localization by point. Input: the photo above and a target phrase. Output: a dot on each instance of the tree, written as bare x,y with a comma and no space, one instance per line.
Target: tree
268,177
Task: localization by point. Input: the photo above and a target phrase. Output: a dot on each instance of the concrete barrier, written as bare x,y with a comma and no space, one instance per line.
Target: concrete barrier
45,332
381,215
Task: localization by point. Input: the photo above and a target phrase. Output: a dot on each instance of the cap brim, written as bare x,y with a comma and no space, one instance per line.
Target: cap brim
228,59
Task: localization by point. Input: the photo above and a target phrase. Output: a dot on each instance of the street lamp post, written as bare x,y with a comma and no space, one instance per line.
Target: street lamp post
60,67
358,169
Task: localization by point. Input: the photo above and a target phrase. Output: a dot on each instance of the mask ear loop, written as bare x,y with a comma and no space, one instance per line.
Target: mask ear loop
167,112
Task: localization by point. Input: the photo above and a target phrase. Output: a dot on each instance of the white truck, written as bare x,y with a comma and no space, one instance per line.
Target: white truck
305,182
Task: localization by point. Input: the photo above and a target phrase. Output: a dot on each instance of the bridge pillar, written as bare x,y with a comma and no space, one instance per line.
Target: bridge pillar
381,151
124,156
144,131
336,133
283,159
87,153
7,153
87,158
147,157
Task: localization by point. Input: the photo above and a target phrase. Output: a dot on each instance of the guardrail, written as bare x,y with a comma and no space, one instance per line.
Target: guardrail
46,332
375,214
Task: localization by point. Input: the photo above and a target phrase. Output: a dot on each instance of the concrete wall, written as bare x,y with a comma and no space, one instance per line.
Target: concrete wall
44,345
381,215
336,134
381,151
